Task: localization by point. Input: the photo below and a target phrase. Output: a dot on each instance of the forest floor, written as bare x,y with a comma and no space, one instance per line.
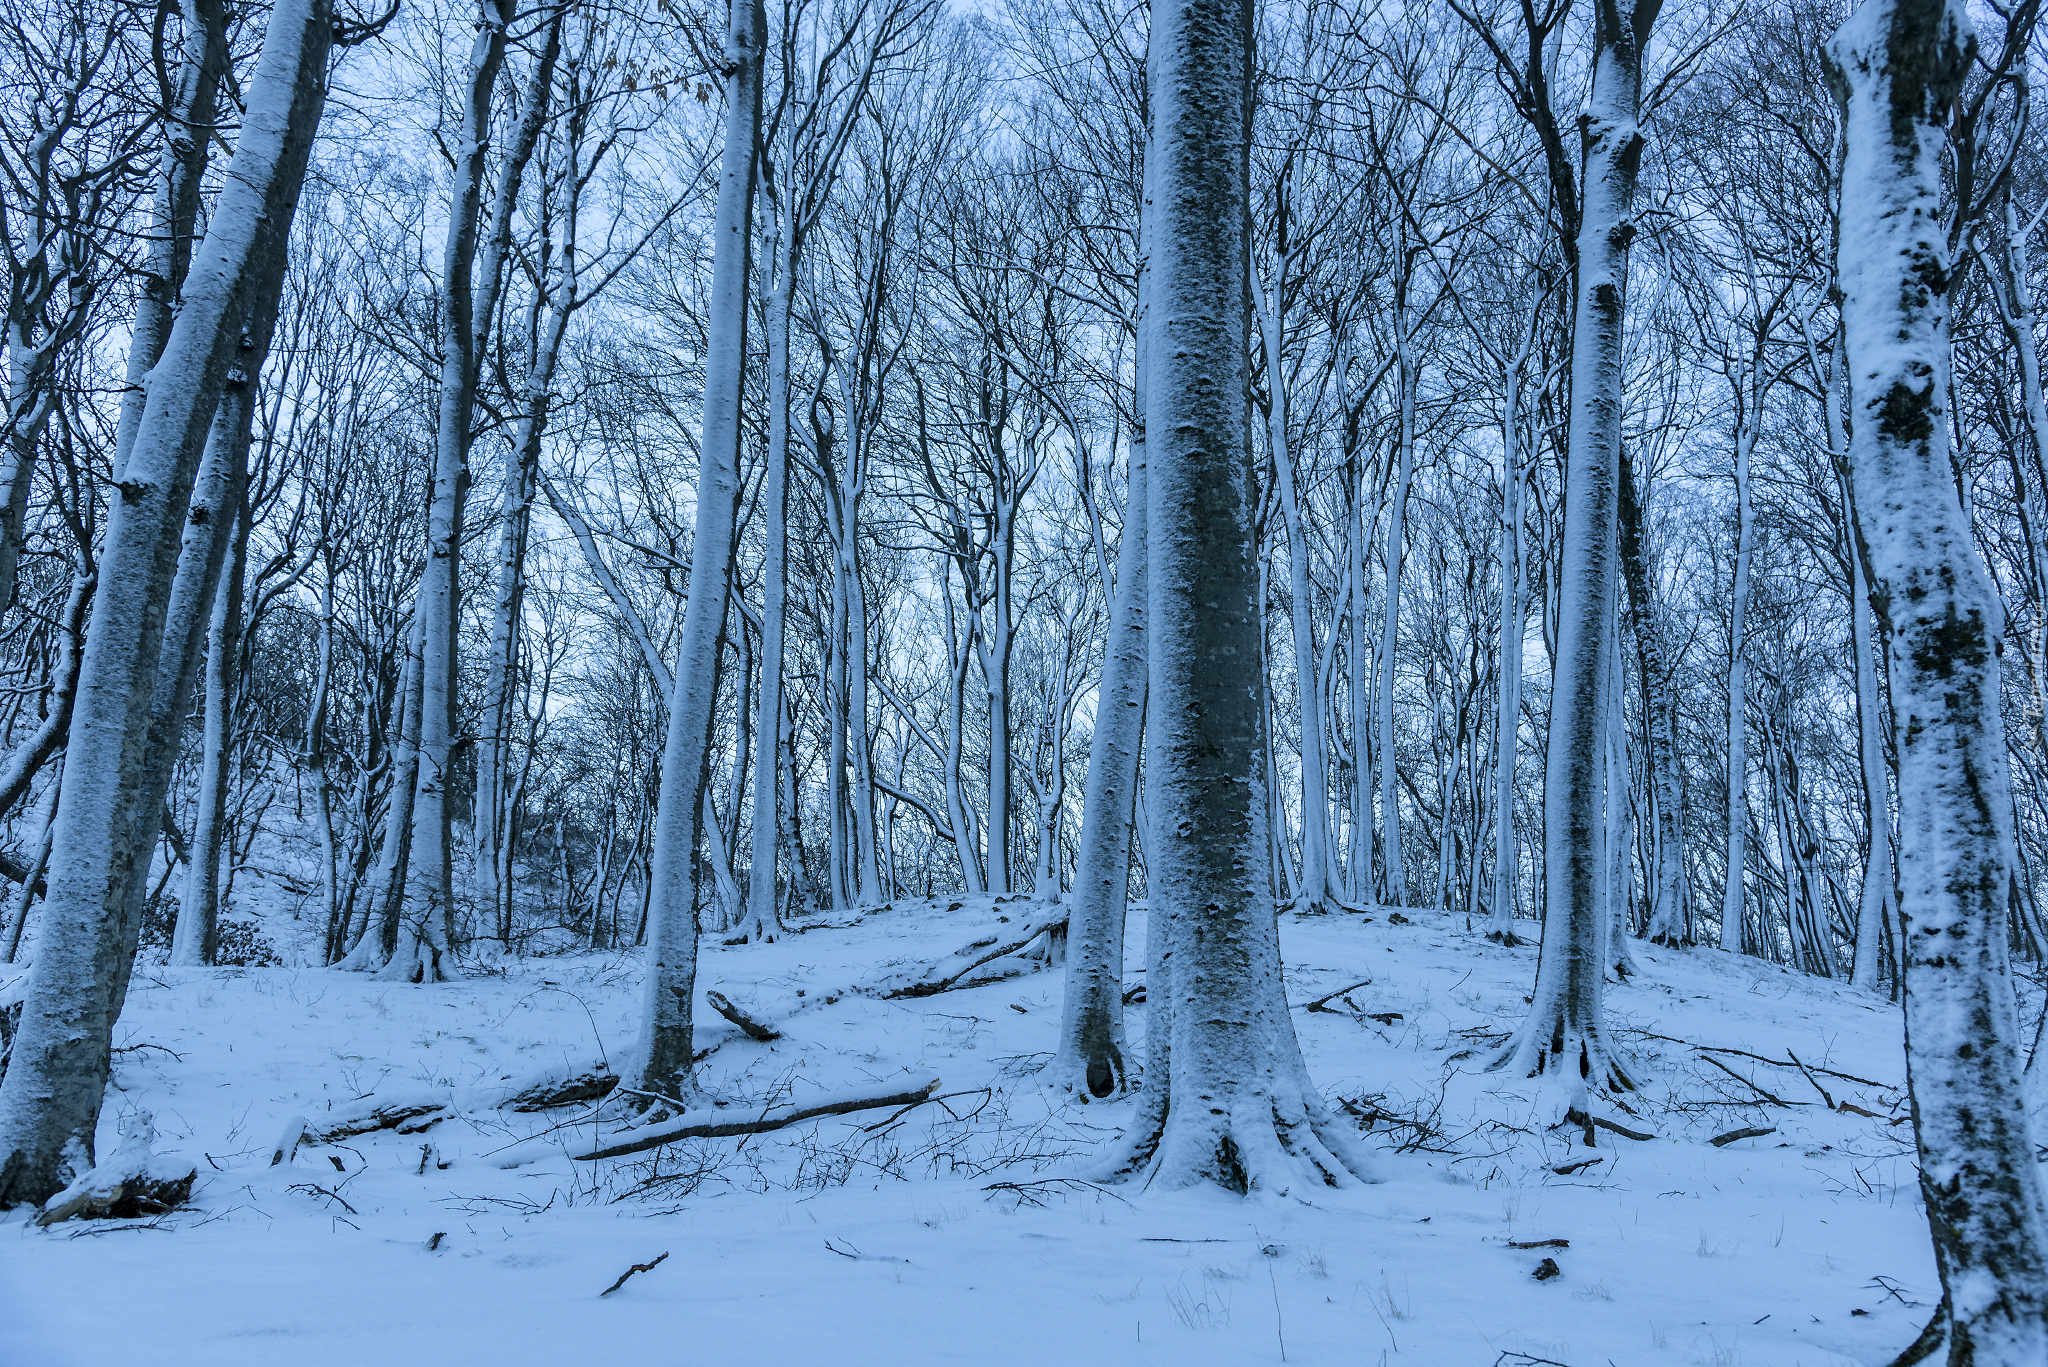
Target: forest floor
838,1241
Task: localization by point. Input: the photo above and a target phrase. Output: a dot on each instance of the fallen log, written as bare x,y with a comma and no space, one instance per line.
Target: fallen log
983,951
710,1122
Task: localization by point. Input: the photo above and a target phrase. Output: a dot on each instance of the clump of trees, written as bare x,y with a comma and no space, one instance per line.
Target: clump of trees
629,474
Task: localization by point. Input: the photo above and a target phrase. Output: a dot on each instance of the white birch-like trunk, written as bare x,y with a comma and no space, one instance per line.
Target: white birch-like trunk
1393,886
386,896
50,1099
192,940
1318,878
1507,875
1734,920
1896,67
762,923
1564,1037
1090,1060
661,1058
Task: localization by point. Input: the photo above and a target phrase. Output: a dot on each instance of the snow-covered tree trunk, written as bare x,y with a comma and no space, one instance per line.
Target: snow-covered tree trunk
50,1099
661,1058
427,917
496,809
1660,721
1361,851
384,902
1564,1036
762,923
1091,1054
1734,920
1318,882
1513,622
1896,66
192,940
1393,881
1227,1099
174,214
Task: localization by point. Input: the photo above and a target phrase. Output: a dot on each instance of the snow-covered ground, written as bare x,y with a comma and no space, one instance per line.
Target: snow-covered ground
860,1240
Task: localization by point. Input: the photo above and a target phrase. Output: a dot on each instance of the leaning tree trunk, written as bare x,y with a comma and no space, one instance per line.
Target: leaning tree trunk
1896,67
1227,1098
193,939
661,1062
1564,1036
1318,886
1090,1059
188,141
50,1100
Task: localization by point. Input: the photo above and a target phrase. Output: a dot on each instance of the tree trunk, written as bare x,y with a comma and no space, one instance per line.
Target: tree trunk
661,1060
1227,1099
1090,1060
1564,1036
192,941
762,923
1393,881
1513,623
50,1100
1660,721
1734,920
188,140
1896,67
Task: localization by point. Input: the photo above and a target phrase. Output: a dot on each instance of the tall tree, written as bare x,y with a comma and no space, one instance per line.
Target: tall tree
1897,66
50,1099
1227,1098
1564,1036
661,1062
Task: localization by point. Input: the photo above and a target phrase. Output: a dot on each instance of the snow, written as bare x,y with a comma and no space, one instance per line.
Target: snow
833,1241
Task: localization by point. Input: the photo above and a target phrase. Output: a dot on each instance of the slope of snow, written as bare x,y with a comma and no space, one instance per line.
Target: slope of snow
868,1240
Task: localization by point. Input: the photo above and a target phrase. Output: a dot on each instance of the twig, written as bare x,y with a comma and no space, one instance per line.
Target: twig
1722,1141
636,1267
315,1189
1542,1243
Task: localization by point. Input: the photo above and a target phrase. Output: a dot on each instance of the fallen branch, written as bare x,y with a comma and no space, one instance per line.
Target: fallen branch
402,1116
1541,1243
1773,1100
1722,1141
1320,1003
709,1124
587,1085
1774,1062
986,951
126,1198
1588,1122
754,1029
636,1267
